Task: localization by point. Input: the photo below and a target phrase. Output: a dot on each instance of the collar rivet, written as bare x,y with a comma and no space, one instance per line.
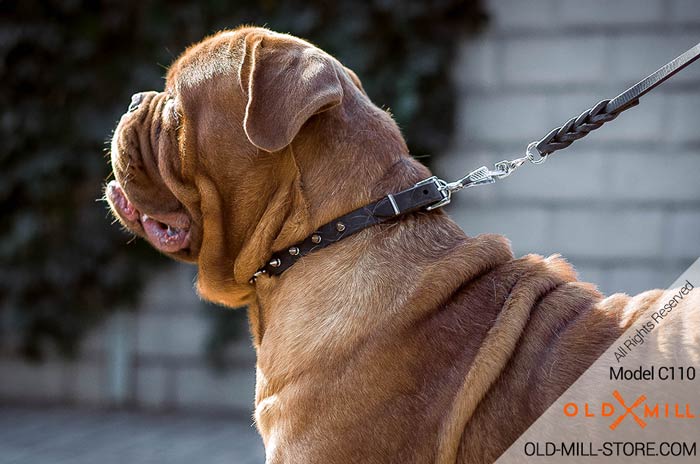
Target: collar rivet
340,227
316,238
275,262
294,251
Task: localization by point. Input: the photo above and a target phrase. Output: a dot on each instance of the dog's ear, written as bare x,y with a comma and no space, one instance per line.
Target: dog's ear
286,81
355,80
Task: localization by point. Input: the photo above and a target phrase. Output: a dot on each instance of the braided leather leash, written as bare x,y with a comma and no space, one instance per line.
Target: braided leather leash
433,193
607,110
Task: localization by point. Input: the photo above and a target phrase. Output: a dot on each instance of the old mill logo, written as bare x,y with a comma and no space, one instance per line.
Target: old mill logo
639,411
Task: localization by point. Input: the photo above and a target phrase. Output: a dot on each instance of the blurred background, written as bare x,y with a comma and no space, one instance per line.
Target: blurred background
107,354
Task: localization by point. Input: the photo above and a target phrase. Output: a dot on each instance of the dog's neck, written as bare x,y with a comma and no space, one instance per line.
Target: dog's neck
330,297
343,159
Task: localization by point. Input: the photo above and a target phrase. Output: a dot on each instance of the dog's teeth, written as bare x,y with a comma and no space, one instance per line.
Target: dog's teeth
172,231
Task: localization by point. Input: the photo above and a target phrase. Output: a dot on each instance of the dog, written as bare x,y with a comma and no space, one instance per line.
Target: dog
401,343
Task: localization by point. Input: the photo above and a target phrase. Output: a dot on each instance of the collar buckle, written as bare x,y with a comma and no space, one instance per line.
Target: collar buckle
481,176
443,188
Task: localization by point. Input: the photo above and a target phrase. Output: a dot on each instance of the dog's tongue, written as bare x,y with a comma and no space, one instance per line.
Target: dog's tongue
164,237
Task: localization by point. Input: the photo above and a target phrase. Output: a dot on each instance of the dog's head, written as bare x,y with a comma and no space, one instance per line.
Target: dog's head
197,165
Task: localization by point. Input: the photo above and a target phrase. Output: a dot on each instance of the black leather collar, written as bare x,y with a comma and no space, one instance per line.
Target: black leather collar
426,195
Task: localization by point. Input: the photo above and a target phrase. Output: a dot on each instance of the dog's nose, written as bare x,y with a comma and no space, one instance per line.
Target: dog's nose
136,100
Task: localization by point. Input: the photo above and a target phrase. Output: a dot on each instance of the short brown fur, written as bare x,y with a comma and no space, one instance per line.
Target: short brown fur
398,344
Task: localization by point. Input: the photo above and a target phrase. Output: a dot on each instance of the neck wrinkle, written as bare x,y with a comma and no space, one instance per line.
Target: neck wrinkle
284,221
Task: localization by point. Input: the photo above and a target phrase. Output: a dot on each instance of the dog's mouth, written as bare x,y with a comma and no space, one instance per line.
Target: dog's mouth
169,233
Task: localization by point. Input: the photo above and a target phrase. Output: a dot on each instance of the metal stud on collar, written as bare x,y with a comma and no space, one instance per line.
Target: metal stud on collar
256,275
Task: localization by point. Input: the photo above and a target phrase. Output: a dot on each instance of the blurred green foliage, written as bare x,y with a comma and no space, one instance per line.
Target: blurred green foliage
67,70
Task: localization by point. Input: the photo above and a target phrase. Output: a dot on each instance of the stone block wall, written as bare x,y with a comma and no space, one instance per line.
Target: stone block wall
623,204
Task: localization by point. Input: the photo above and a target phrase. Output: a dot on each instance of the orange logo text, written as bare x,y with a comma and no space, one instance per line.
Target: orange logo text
640,411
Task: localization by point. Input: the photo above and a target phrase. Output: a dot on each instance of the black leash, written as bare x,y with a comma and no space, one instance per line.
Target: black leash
607,110
433,193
